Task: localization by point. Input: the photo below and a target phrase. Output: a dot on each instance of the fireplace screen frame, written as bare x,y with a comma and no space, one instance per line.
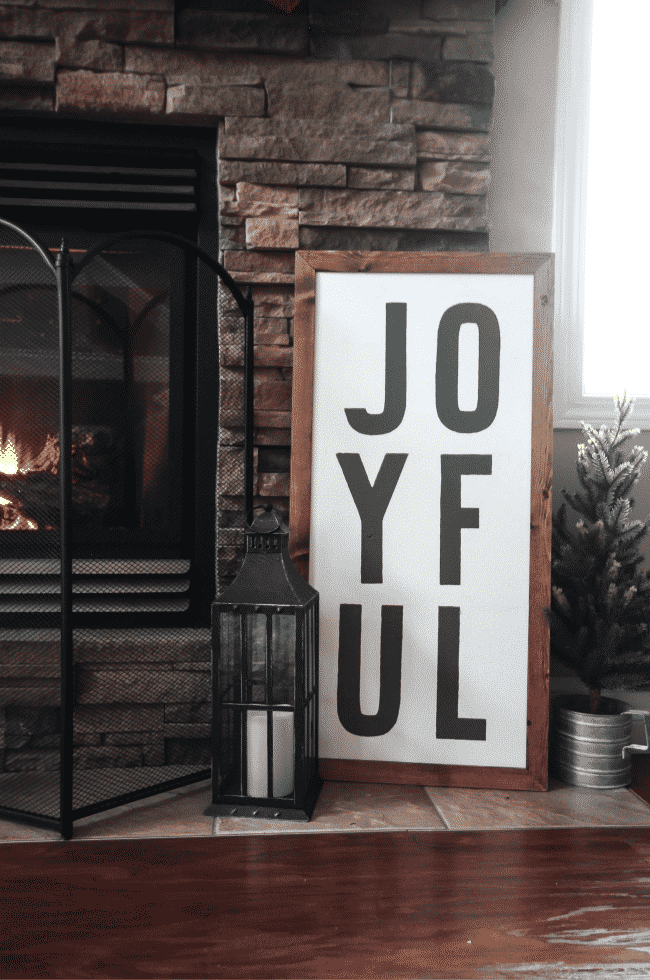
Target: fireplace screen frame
66,621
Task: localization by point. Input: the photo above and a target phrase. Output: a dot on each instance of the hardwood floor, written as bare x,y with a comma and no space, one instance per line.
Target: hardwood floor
416,904
555,900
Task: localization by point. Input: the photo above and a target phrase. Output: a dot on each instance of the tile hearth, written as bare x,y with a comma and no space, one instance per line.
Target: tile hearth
362,807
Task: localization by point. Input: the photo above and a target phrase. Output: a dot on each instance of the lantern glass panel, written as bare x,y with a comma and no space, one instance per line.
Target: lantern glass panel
283,653
230,656
229,759
256,648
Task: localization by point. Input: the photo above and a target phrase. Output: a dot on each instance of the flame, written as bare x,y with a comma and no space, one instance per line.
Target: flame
8,456
14,462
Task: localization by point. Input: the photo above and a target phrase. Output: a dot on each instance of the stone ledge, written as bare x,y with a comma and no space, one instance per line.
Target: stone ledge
179,65
320,129
367,177
478,47
273,484
392,240
268,173
256,209
25,61
463,82
210,102
442,115
445,146
357,20
242,32
440,28
334,102
189,730
96,685
331,150
381,47
263,356
253,262
392,209
45,692
94,55
455,177
113,93
400,79
280,233
122,26
251,200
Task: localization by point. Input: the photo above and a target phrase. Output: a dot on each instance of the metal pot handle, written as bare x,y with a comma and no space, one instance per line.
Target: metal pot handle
646,722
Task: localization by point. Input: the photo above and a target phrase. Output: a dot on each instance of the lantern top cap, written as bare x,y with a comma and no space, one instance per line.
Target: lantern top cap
268,522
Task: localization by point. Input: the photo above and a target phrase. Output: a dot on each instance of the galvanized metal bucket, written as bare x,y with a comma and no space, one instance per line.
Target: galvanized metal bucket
593,750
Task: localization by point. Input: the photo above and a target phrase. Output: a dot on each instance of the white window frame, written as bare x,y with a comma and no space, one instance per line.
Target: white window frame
571,406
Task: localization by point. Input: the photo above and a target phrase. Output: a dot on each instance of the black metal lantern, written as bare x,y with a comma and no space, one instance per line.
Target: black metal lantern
265,684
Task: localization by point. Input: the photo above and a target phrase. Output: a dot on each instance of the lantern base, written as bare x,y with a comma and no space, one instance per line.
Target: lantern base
263,812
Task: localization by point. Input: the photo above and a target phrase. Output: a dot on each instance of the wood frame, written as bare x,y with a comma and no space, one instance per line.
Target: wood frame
540,266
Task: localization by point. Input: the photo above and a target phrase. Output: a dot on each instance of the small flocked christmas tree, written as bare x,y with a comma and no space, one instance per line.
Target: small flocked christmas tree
600,602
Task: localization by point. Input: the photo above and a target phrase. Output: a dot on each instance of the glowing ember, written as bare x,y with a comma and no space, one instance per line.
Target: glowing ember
14,461
12,517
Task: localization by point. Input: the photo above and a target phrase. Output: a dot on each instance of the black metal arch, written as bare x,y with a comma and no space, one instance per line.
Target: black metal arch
36,244
64,272
245,303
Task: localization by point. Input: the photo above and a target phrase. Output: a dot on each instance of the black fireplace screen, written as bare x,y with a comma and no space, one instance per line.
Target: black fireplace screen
111,433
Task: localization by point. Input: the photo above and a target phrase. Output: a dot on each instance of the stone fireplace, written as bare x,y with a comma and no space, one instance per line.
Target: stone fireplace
340,125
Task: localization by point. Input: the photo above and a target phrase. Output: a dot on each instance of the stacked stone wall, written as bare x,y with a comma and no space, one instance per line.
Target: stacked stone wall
361,126
140,699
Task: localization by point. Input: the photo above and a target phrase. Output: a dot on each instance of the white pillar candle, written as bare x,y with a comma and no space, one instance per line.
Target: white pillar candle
282,753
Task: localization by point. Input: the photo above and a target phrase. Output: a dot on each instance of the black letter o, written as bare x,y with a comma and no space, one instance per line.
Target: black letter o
489,349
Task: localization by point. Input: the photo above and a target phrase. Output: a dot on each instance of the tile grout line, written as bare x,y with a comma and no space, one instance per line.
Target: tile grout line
447,827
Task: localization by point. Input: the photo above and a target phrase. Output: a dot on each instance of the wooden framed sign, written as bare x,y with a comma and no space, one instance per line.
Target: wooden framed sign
421,511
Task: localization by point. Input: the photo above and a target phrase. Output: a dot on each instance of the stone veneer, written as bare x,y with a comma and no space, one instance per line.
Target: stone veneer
362,126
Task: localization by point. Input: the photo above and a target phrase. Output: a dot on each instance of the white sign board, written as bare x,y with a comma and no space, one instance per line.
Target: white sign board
420,514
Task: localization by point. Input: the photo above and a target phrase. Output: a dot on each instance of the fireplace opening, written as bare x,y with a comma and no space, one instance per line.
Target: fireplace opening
123,386
144,369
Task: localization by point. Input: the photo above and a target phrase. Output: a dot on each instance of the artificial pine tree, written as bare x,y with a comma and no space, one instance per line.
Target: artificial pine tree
600,597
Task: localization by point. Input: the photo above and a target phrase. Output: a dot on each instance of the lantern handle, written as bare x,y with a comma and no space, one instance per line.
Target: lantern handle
266,507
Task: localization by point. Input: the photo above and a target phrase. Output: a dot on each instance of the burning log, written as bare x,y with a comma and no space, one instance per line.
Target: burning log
12,517
29,487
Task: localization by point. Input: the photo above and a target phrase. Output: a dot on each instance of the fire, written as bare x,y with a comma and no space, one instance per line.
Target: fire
15,462
8,455
12,517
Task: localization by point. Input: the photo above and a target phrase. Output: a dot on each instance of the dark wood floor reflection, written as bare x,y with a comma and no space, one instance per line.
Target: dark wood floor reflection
416,904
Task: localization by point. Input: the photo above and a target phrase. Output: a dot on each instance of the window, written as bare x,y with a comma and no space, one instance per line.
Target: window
602,329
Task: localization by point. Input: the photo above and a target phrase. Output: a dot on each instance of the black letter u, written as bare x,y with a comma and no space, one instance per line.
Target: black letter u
349,673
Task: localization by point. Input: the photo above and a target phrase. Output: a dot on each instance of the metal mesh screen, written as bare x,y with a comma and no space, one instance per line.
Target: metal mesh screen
30,541
141,716
128,319
141,713
231,505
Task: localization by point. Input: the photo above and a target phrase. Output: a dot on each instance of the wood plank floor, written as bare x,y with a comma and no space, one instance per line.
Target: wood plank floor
537,903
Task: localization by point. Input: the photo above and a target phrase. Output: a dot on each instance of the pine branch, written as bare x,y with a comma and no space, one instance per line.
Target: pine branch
599,615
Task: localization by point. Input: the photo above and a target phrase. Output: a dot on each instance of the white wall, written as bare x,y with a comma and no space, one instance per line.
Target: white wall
520,204
520,201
